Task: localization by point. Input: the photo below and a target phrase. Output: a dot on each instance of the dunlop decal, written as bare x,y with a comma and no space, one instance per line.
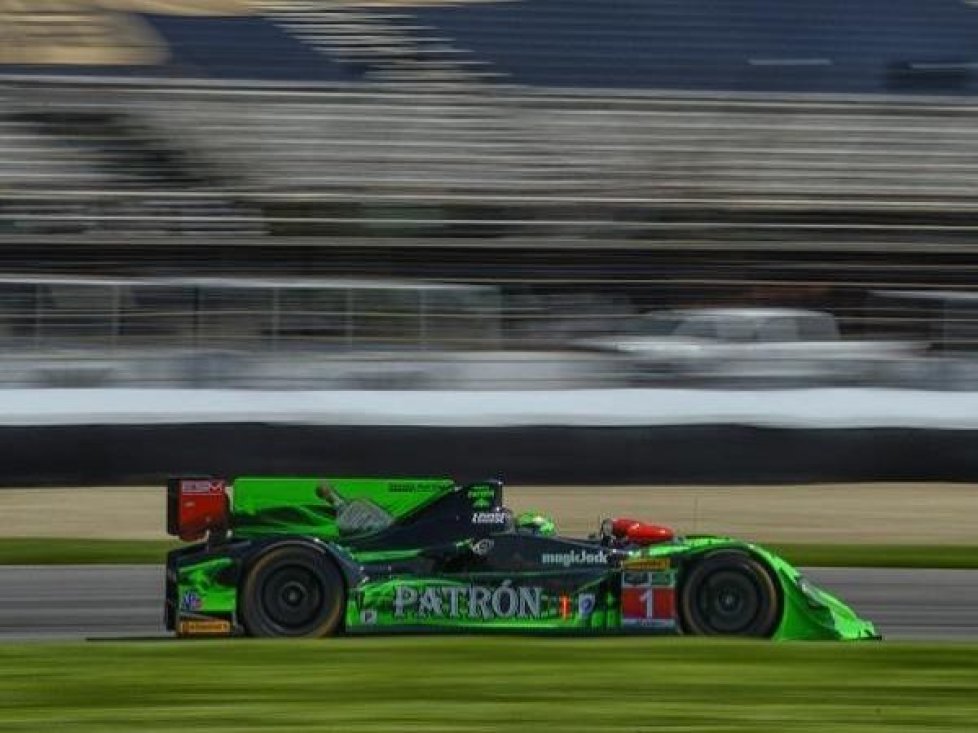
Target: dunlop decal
208,627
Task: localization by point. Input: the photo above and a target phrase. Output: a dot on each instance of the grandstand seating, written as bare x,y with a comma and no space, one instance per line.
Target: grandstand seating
839,46
598,166
512,147
92,166
630,145
244,48
738,45
377,46
31,160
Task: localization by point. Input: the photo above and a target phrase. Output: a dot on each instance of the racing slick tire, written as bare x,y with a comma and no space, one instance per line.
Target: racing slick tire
293,592
729,593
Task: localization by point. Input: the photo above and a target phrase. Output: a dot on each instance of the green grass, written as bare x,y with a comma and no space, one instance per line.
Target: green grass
39,551
879,556
487,684
48,551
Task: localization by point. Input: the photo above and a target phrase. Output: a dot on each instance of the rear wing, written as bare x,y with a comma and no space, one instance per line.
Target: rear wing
328,508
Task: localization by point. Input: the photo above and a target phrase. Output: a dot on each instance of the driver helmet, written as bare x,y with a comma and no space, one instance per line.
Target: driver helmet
536,523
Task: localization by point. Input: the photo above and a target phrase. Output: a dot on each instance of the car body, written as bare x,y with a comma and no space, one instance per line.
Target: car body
295,556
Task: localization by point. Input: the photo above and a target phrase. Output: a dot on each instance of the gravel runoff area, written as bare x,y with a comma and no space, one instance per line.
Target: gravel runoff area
909,513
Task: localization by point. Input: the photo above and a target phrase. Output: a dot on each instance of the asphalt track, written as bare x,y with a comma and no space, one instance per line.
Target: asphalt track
75,602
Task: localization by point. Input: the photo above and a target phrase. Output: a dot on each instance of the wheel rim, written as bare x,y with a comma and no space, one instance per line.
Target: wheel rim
292,597
729,602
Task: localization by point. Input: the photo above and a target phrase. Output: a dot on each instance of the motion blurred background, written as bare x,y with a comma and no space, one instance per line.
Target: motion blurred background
518,194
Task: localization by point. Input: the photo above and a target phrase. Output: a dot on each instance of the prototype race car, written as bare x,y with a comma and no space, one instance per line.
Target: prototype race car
309,557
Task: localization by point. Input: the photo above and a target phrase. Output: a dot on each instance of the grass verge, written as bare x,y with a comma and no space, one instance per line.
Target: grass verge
60,551
483,684
879,556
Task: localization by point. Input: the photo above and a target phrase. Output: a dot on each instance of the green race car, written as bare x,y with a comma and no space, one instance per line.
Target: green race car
309,557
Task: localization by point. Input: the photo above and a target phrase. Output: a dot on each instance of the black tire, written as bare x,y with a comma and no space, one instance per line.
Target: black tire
729,593
292,592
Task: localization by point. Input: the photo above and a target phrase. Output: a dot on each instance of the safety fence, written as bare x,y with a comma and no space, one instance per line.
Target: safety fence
661,327
102,455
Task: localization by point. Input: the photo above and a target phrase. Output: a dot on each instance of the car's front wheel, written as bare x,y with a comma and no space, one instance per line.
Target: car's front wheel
729,593
293,592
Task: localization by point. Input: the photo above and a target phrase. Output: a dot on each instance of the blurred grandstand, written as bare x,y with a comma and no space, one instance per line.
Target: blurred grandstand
590,161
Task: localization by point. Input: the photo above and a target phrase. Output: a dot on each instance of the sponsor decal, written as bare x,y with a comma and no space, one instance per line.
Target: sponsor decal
202,627
406,487
648,600
368,616
571,558
653,578
481,497
482,547
489,518
586,603
468,601
202,486
190,601
647,563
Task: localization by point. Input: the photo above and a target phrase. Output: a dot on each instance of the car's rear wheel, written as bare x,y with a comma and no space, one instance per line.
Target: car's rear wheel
729,593
294,592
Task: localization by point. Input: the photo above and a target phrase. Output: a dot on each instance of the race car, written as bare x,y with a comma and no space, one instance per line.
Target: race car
312,557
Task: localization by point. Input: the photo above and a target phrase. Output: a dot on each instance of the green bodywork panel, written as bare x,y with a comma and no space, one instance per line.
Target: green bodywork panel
814,614
328,508
202,591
